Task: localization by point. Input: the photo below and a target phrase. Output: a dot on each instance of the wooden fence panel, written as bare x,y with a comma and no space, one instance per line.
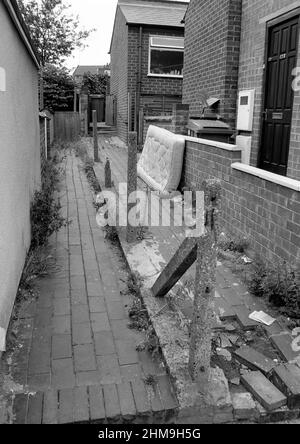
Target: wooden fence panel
67,126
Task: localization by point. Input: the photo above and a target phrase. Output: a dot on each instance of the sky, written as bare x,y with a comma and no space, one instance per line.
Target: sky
99,14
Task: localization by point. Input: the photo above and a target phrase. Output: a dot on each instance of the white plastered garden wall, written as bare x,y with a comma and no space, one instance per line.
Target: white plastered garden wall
19,161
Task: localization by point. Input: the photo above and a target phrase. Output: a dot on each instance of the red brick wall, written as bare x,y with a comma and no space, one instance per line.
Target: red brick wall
252,58
268,213
119,74
212,38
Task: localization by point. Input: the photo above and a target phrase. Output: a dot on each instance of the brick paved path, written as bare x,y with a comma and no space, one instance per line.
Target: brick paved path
77,355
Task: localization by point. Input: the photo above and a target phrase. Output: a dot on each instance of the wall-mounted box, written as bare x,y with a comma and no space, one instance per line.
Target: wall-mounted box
245,110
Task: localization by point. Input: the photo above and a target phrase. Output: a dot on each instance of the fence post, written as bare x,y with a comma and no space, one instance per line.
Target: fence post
205,281
95,133
131,181
86,123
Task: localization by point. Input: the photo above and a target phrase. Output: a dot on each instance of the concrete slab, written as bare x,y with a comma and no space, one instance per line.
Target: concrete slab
254,360
283,343
263,390
244,406
287,379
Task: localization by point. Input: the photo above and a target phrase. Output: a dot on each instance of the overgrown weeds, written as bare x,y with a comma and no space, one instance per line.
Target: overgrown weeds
280,284
234,244
45,210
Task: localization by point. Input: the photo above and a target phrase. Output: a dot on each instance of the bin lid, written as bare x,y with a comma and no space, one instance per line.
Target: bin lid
205,125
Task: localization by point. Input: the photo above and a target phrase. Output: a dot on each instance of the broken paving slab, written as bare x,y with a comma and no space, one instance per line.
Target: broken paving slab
224,310
284,345
244,406
264,391
286,378
245,322
254,360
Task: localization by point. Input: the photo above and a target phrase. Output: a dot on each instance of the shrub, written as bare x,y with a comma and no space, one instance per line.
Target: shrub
280,284
45,210
237,244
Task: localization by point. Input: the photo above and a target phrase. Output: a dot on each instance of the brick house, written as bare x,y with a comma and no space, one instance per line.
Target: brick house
244,52
20,160
146,60
252,46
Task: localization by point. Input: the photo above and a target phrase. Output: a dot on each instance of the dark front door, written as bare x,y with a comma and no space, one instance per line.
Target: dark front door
279,96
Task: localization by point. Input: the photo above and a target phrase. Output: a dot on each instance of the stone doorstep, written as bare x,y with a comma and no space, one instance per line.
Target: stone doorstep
99,404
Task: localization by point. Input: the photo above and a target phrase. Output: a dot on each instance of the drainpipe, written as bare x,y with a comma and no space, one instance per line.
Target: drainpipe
139,82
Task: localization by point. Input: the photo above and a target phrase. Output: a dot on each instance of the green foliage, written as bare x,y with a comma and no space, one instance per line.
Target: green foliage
54,31
236,244
45,210
95,83
58,89
280,284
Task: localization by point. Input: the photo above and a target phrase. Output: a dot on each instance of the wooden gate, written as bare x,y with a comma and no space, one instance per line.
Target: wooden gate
97,103
66,126
110,111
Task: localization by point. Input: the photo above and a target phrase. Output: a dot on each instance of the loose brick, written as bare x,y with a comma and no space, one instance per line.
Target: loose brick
264,391
97,410
244,406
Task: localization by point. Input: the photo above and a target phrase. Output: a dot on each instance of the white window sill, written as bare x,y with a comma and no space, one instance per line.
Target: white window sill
164,76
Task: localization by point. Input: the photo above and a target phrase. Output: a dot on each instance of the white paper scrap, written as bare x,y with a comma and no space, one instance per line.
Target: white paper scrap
262,317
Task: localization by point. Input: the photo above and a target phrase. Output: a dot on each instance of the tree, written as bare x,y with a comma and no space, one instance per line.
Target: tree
95,83
54,32
58,89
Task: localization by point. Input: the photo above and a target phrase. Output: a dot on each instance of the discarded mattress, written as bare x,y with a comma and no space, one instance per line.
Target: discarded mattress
160,165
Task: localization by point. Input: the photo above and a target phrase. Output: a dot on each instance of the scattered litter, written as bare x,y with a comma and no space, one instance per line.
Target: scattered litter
262,317
296,332
225,341
247,260
233,339
230,328
224,354
235,381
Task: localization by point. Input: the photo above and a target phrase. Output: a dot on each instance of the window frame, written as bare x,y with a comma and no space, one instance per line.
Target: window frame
167,48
